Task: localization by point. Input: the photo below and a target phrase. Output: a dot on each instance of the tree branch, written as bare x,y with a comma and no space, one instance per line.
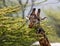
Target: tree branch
26,3
41,2
49,3
52,3
31,6
20,2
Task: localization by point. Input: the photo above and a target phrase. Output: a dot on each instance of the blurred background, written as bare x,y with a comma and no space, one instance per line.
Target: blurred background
14,29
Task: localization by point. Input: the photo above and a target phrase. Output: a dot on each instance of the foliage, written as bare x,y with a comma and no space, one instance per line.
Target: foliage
11,33
15,31
54,20
10,9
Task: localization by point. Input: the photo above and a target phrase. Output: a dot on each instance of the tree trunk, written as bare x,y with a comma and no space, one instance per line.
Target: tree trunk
4,4
23,11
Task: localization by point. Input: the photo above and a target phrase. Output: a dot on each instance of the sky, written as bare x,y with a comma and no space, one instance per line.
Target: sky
44,5
48,2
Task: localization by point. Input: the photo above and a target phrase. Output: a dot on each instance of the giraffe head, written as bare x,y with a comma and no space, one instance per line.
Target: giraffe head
31,18
35,19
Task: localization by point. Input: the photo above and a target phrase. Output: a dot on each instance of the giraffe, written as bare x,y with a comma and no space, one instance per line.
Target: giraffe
43,40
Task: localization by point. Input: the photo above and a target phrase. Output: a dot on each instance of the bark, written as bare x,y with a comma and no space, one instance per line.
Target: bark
4,3
32,2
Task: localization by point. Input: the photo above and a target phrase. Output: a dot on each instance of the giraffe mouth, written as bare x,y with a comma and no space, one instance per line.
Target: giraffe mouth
31,25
